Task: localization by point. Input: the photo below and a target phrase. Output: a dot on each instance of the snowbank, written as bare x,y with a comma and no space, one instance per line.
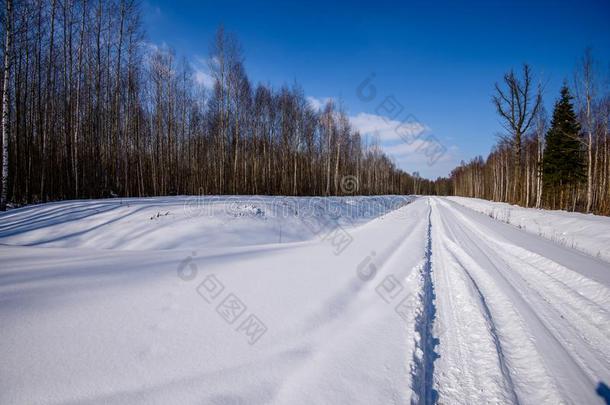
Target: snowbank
280,323
187,222
585,232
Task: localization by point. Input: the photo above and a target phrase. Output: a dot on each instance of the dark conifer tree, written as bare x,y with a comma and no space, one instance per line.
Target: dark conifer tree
563,165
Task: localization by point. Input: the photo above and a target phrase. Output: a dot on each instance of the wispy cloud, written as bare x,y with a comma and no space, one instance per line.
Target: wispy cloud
409,143
318,103
418,162
204,78
151,47
201,68
385,128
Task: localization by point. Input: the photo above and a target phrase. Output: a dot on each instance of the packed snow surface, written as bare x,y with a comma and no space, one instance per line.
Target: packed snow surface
256,300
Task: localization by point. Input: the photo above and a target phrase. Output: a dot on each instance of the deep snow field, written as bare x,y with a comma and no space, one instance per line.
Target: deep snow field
255,300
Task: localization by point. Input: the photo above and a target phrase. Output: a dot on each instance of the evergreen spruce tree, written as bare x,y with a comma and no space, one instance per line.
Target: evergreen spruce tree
563,164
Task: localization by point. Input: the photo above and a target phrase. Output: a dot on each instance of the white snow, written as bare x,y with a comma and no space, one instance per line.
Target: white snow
187,222
231,300
585,232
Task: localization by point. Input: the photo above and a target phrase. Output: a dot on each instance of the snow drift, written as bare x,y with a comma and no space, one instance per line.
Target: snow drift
187,222
585,232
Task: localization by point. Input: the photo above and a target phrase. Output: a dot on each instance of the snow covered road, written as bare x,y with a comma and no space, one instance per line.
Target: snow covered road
430,302
530,328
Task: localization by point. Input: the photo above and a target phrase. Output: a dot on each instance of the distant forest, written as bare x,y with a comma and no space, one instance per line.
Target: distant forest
93,111
556,162
90,109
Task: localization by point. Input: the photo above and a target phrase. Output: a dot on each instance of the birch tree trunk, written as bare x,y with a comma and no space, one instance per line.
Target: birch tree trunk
5,107
585,92
77,107
46,129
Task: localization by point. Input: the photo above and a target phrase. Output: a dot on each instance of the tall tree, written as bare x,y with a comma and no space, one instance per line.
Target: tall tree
517,105
5,104
585,91
563,166
541,125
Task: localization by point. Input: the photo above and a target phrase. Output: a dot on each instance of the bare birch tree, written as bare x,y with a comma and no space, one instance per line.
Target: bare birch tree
5,104
517,105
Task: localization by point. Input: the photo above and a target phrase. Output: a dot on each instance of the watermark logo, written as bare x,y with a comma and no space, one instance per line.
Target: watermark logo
339,239
187,270
349,184
194,206
366,91
327,218
253,328
367,269
390,289
210,288
409,129
230,307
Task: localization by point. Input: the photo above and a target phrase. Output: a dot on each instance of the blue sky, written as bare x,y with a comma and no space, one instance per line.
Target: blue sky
438,60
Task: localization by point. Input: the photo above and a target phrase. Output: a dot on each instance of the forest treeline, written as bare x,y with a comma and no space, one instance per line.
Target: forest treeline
91,109
556,162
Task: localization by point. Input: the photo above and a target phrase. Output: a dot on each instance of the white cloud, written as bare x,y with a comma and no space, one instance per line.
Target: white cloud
151,48
419,162
410,143
387,129
201,67
318,103
214,61
405,149
204,78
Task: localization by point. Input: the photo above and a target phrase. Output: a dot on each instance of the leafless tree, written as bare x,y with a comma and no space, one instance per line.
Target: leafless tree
5,107
517,104
585,85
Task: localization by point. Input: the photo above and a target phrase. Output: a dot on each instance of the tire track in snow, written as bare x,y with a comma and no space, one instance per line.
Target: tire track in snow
577,303
424,354
494,335
473,367
586,316
555,346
